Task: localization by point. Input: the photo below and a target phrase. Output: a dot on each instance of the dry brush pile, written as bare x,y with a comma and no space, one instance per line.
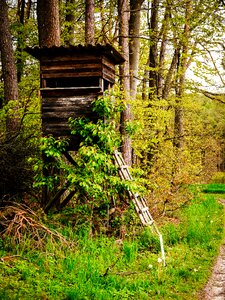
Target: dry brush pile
18,223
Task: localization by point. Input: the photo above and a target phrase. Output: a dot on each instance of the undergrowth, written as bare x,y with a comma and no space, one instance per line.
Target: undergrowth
105,268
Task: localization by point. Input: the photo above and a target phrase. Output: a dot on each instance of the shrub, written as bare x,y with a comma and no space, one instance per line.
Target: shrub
15,167
17,146
92,173
218,177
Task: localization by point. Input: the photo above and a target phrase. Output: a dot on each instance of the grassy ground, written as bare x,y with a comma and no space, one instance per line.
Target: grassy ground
100,268
214,188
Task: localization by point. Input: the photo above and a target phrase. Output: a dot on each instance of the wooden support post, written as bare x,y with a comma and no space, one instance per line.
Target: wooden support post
56,199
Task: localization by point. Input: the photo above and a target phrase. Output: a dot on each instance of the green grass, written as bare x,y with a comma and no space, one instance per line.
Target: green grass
98,268
214,188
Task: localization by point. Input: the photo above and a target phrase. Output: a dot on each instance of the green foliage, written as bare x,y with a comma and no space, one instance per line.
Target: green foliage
93,173
148,241
168,169
17,148
218,177
109,105
214,188
103,135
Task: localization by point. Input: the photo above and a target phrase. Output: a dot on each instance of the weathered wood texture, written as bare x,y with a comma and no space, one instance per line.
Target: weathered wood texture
90,66
67,66
71,78
107,50
56,112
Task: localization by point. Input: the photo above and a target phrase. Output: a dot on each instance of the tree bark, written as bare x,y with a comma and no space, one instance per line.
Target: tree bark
169,76
134,55
162,52
7,56
20,39
48,23
153,53
28,9
182,66
70,18
123,14
89,22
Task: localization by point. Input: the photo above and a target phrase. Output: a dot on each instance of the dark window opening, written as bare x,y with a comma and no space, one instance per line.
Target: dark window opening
72,82
106,85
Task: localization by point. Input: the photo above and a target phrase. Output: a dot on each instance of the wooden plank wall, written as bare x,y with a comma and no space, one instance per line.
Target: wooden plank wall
77,67
56,111
69,84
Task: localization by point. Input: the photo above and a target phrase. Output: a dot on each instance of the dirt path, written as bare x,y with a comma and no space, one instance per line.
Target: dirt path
215,288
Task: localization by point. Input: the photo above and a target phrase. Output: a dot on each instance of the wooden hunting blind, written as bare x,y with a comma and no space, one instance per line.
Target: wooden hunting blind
70,79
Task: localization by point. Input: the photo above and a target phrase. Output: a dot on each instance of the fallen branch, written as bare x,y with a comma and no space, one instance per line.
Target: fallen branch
110,267
128,273
19,222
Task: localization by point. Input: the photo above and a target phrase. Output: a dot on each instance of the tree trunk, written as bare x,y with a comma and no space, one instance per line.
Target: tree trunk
123,14
89,22
169,77
70,19
28,9
182,66
162,53
153,53
20,39
134,28
7,56
48,23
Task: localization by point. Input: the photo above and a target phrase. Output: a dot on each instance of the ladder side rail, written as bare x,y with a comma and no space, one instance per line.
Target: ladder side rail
121,164
139,208
149,216
161,244
146,213
140,203
123,174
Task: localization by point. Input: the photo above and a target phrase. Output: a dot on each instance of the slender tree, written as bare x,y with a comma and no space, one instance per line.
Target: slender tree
7,56
123,15
89,22
134,50
70,20
182,65
153,51
23,15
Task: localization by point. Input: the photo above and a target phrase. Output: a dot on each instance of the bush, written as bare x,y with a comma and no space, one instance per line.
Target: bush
218,177
19,129
15,167
91,173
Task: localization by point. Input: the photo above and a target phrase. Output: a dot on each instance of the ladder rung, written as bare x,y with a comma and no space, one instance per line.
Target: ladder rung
123,167
150,222
137,200
144,209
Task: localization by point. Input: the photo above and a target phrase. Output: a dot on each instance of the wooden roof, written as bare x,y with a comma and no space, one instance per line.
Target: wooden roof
108,50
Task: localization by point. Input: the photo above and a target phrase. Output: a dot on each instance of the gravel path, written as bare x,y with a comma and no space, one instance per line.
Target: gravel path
215,288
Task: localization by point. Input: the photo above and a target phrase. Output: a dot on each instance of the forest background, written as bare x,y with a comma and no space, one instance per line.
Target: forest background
168,122
172,124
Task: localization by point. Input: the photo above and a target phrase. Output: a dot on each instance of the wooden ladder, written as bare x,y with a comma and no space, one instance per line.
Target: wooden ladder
139,202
